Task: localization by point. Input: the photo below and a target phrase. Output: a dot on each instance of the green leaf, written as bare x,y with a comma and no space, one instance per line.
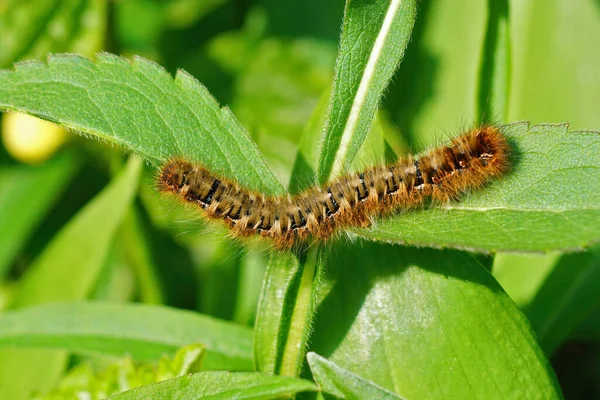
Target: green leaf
569,294
220,385
140,107
18,184
549,202
495,68
67,269
374,37
30,29
143,331
337,381
428,324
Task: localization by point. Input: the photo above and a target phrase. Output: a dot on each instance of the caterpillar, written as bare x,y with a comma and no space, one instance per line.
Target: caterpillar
442,174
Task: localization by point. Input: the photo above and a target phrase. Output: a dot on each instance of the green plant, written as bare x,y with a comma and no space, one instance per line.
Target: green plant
389,317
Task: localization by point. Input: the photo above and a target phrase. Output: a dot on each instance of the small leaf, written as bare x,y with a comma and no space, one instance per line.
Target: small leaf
220,385
140,107
145,332
548,202
374,37
343,384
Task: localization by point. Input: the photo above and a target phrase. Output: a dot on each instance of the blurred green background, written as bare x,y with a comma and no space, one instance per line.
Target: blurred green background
272,61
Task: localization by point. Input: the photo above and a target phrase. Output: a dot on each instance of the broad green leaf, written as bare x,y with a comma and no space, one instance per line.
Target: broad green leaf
30,29
568,295
342,384
428,324
374,37
285,312
495,67
143,331
220,385
27,195
67,269
140,107
548,202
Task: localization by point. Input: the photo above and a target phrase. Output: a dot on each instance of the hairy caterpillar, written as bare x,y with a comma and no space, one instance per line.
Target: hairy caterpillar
441,174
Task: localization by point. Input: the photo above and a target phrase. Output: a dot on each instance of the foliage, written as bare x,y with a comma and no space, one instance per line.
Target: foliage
474,311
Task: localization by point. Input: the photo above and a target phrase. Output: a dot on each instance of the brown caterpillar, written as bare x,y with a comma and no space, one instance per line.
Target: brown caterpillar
441,174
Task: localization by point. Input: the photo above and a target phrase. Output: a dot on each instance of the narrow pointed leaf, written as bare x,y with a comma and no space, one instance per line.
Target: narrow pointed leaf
68,268
145,332
374,37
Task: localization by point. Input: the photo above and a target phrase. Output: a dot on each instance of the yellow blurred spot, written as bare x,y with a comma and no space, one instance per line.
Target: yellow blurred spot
29,139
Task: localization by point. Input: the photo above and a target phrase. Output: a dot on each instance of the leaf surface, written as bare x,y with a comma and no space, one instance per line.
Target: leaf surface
421,320
548,202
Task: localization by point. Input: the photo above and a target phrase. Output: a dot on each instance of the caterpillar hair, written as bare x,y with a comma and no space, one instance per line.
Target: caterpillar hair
442,174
